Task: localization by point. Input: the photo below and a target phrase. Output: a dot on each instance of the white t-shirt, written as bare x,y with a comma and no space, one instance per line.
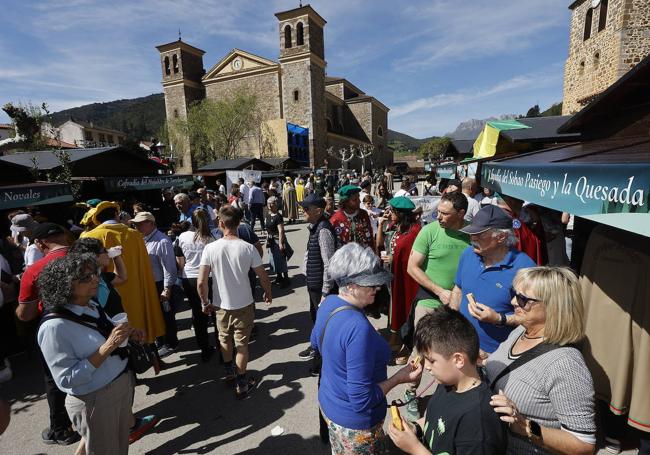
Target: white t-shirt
230,261
192,251
244,190
401,192
32,254
473,206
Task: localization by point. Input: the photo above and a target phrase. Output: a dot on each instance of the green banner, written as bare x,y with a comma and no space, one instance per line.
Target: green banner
117,184
446,171
615,194
12,197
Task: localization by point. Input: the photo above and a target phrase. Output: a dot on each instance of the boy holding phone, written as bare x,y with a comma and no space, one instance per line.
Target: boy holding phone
459,418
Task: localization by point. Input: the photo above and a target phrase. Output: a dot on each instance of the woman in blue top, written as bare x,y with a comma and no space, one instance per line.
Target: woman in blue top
354,380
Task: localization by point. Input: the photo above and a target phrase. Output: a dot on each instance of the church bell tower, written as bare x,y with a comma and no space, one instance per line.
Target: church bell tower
302,65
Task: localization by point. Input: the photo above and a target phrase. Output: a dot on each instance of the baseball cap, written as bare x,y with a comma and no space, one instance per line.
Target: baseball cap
23,222
143,216
313,200
45,230
488,217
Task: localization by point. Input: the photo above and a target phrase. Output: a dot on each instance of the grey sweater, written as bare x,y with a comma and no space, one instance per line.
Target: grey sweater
554,389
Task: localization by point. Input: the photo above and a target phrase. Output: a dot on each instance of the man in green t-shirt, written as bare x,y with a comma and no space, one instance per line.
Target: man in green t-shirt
433,263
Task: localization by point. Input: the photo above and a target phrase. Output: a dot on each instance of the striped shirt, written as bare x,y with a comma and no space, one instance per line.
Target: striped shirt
555,390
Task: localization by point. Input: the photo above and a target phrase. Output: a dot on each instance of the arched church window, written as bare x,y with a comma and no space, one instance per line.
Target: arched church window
167,71
588,19
175,61
296,95
300,34
602,15
287,36
175,113
380,131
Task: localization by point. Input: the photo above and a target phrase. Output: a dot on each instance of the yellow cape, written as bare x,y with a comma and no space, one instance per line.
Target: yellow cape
139,295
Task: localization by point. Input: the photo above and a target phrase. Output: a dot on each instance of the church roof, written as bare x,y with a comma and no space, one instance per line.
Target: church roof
302,10
180,44
221,64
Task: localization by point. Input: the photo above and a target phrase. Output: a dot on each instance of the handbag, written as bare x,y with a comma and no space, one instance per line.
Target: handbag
140,356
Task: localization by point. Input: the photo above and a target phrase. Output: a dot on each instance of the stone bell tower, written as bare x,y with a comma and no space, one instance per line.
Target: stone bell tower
302,66
607,38
182,70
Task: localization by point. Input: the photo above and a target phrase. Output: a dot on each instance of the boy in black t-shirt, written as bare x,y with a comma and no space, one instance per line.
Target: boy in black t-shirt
459,418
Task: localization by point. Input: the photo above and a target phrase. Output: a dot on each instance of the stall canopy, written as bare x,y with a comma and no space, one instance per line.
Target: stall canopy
541,130
238,164
607,181
119,184
90,162
11,173
38,193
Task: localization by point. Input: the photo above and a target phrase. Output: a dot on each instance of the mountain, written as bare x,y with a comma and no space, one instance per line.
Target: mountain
403,143
469,129
140,118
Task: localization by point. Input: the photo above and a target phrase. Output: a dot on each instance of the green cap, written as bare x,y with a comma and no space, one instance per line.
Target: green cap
93,202
402,203
347,192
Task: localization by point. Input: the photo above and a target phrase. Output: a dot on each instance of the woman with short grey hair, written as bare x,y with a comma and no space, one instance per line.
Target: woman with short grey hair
354,380
81,347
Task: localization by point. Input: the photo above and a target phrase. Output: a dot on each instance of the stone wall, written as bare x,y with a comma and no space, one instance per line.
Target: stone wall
635,35
335,89
362,112
597,62
265,87
382,155
296,76
318,130
315,39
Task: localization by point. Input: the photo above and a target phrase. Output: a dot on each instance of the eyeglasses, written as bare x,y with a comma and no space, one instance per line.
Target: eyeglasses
88,277
522,300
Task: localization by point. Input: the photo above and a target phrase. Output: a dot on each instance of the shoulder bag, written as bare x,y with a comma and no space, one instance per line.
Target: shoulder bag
139,355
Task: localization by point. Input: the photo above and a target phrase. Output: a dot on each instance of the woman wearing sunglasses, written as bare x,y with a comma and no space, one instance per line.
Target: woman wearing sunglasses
82,349
542,386
354,381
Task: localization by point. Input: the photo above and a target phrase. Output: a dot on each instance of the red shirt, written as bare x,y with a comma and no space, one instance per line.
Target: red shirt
28,287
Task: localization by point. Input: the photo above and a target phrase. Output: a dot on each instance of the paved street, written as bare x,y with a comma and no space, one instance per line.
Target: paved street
199,412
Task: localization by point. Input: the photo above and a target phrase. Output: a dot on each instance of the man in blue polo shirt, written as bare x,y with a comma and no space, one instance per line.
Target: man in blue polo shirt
486,270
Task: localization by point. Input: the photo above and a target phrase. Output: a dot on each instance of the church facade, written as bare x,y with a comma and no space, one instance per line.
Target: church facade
303,110
607,38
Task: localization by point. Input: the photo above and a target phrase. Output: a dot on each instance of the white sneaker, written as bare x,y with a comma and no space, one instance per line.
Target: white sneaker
612,445
6,374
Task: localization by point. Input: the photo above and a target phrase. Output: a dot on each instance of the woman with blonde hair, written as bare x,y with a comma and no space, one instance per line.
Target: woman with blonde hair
542,386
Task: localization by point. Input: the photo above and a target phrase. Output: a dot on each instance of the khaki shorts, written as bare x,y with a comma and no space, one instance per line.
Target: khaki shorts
236,323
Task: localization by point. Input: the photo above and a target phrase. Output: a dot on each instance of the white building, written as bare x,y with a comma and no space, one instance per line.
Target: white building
84,134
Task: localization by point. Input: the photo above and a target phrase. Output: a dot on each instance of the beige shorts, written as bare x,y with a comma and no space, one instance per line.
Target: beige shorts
236,323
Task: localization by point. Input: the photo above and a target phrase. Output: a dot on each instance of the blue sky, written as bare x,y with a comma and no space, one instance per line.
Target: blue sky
435,63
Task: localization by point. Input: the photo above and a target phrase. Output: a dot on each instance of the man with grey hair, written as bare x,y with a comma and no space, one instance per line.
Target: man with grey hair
486,270
184,207
468,187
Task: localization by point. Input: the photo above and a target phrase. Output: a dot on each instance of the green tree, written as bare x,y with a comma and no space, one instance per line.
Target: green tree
29,122
533,111
216,128
434,149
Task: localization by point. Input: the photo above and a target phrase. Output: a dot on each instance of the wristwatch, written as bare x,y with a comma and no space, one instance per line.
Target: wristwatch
503,319
534,431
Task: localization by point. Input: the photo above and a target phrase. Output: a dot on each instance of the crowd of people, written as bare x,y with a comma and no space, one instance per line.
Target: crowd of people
471,298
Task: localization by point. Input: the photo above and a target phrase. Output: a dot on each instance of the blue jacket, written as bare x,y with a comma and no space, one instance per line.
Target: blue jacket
355,358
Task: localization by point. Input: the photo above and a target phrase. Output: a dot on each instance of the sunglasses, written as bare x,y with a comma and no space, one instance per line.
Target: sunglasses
522,300
88,277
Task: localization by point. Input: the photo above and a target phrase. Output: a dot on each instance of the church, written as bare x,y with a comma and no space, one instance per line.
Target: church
304,111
